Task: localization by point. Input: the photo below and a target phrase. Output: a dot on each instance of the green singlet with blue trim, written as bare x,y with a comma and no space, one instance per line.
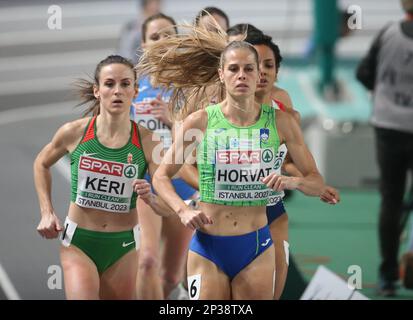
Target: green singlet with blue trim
231,160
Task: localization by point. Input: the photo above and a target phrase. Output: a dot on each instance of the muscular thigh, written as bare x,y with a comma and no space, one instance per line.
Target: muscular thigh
150,225
118,282
256,280
205,280
279,229
176,242
80,274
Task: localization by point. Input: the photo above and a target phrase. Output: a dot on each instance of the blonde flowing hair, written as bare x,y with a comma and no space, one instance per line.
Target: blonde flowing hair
187,64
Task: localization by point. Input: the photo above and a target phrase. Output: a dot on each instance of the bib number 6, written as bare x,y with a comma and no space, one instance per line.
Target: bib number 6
194,283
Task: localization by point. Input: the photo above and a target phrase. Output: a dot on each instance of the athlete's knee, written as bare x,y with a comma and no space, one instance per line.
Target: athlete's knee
172,280
148,260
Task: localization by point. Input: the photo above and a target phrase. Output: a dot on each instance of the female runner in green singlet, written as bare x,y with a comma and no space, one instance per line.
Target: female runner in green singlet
231,255
268,93
109,155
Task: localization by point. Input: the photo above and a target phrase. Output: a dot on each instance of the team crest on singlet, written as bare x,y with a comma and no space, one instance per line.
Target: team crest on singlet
264,134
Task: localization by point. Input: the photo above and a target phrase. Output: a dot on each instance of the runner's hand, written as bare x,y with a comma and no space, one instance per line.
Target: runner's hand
143,189
330,195
160,110
194,219
49,226
279,182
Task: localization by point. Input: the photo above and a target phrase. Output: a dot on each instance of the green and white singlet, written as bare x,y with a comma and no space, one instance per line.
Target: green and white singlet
277,196
101,176
231,160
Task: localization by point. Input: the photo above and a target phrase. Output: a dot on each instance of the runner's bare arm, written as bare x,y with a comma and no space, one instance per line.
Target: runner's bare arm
329,194
189,174
65,140
312,182
154,152
174,158
188,171
288,165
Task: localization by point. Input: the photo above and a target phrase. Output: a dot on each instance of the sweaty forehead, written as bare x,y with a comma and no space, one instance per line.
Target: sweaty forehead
159,25
116,71
264,52
240,56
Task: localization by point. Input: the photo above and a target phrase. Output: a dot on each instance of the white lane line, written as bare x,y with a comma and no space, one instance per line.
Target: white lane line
62,59
39,112
7,286
62,166
42,112
36,85
30,37
69,10
128,7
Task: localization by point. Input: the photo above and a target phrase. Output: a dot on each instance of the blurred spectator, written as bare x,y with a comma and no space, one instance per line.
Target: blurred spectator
238,31
387,69
131,34
406,262
205,16
343,31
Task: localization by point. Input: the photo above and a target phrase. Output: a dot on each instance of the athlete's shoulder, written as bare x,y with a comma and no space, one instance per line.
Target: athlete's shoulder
70,133
283,117
74,129
197,119
144,132
286,124
282,96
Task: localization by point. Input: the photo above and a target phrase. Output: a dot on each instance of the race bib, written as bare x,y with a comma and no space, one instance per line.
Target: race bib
276,196
143,116
105,185
238,174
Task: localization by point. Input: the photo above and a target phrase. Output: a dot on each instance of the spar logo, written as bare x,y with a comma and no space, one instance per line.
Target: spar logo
279,159
238,156
278,163
101,166
267,156
130,171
